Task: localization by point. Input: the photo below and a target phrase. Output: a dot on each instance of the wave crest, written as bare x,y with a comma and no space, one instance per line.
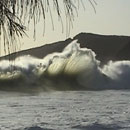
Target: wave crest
74,68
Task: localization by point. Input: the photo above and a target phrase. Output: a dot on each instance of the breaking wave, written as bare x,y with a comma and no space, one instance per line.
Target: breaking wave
73,69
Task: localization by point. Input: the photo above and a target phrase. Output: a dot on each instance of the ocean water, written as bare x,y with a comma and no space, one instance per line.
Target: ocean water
67,90
65,110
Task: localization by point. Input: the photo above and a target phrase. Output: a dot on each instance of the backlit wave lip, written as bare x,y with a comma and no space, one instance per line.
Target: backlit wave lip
74,68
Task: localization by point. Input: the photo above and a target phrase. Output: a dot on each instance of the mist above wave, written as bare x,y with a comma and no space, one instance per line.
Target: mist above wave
74,68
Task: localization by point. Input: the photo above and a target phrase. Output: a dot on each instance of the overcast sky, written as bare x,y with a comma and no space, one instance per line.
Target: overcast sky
112,17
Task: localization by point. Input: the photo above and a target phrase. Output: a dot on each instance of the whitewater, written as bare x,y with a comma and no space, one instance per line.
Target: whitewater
73,69
68,90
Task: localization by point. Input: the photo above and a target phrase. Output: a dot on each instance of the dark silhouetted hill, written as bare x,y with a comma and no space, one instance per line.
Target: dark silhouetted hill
106,47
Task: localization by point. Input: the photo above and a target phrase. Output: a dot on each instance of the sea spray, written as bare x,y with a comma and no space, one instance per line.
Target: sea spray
74,68
119,72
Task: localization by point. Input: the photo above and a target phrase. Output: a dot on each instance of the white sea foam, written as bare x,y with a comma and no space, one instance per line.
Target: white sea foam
119,72
74,68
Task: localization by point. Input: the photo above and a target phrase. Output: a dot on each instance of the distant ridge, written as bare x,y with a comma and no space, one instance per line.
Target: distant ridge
106,47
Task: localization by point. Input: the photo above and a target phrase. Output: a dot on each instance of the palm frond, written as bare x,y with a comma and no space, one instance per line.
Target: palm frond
14,13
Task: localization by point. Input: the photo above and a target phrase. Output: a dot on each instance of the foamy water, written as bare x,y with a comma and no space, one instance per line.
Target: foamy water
65,110
73,69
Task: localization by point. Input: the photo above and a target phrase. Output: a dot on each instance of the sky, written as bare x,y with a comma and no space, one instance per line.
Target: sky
112,17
